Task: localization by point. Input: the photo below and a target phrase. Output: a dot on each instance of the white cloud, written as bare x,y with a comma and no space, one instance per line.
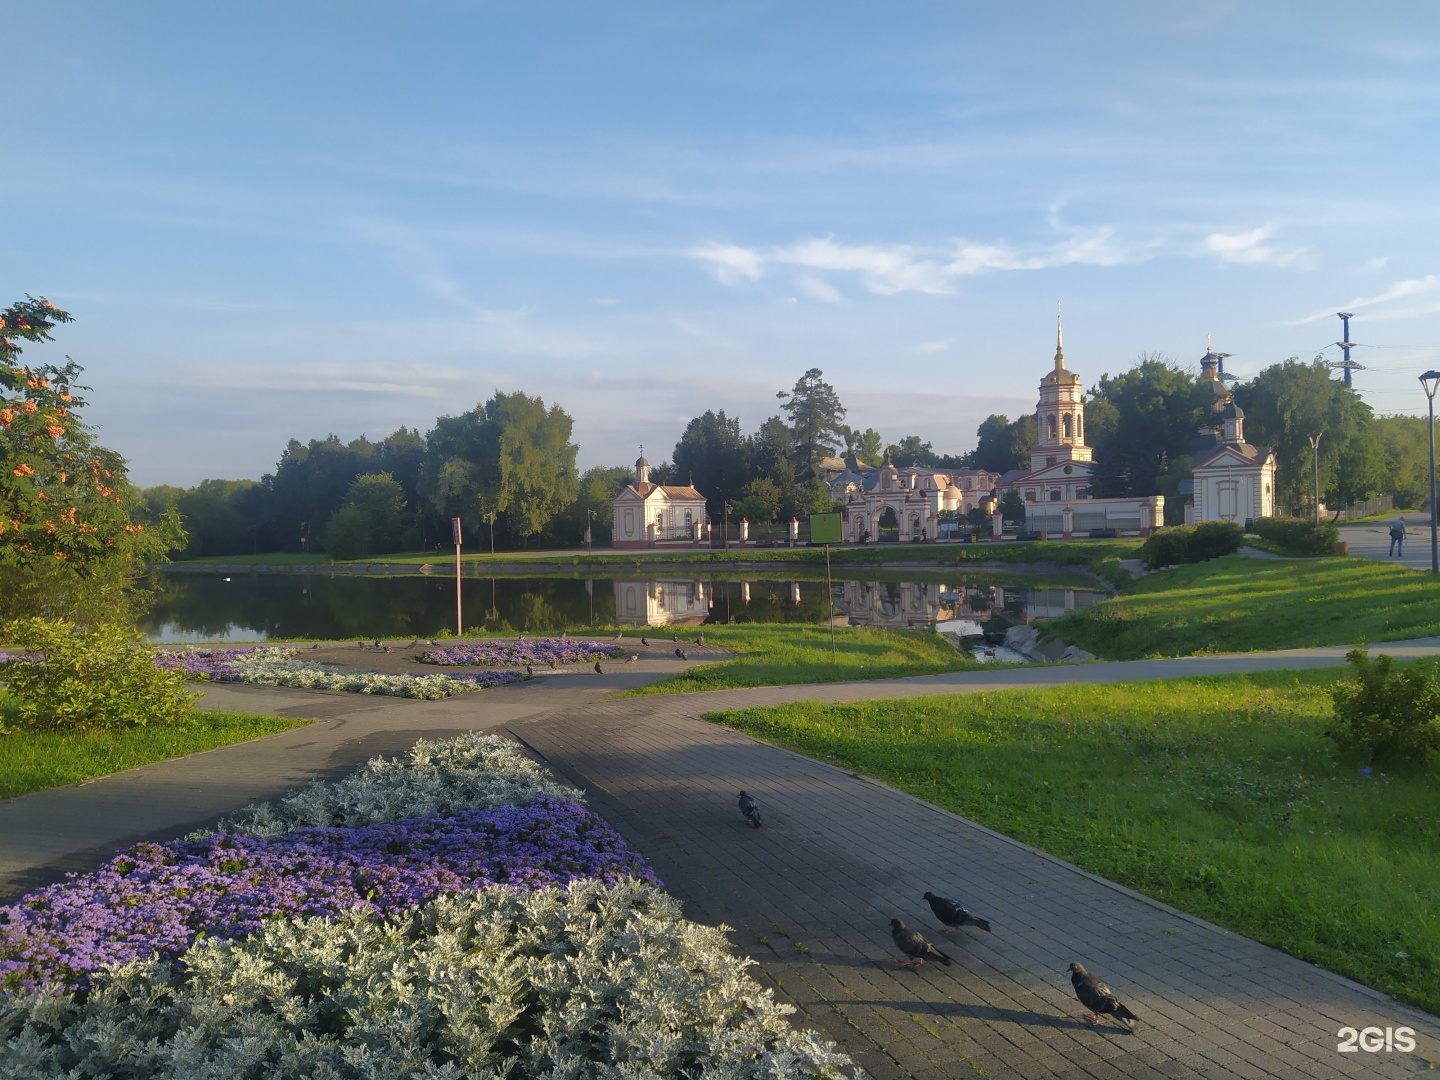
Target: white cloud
932,347
1250,248
817,289
888,269
1369,266
1398,291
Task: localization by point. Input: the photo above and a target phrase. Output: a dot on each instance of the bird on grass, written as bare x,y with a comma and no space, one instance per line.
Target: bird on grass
598,669
914,945
1099,998
751,809
952,914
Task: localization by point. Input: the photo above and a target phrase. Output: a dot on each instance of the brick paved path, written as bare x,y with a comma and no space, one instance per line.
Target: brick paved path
811,895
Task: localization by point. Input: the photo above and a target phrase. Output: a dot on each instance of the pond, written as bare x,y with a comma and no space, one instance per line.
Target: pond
260,606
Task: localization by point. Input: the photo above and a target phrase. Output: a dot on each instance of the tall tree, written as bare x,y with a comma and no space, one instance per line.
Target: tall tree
1002,444
309,484
1405,440
713,455
866,446
911,451
372,520
73,534
1288,402
770,457
598,488
1157,409
817,418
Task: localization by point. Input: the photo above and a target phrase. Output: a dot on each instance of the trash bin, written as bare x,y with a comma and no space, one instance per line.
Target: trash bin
1342,547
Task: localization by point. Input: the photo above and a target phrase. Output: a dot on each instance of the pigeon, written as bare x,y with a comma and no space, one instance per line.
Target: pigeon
632,658
598,669
1099,998
684,655
618,635
377,644
413,644
564,635
529,671
674,637
699,639
314,646
432,641
386,647
952,914
679,653
914,945
645,641
554,664
751,809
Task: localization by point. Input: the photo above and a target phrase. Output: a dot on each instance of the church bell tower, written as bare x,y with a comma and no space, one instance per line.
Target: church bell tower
1060,414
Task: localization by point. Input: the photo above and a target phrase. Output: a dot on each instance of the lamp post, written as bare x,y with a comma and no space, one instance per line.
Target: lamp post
727,527
1315,446
1430,380
589,524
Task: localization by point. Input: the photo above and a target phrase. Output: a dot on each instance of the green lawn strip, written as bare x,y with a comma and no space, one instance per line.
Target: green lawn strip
35,760
786,654
1219,796
1243,604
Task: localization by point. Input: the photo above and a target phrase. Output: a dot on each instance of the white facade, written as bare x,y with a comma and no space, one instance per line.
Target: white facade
1234,480
647,515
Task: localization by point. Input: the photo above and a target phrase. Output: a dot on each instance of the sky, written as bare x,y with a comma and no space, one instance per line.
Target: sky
286,220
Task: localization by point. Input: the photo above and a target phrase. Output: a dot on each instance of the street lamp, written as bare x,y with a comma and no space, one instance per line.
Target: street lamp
1430,380
589,523
728,508
1315,446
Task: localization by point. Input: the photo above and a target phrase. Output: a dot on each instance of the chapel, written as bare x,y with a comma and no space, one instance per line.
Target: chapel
655,515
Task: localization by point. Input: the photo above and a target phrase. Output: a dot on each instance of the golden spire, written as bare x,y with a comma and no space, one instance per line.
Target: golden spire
1059,341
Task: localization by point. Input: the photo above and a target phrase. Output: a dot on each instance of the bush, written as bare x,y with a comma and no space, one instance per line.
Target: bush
1388,716
95,677
1215,538
1167,547
1297,536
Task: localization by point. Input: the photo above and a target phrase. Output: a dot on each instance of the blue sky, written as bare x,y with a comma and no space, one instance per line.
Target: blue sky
278,220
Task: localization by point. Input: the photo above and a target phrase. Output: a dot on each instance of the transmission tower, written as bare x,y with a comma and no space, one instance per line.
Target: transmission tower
1347,365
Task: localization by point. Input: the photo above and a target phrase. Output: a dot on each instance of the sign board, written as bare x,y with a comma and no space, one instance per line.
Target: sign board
455,528
824,528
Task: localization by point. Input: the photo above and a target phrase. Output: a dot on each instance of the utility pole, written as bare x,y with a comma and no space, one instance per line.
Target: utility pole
1430,380
1315,446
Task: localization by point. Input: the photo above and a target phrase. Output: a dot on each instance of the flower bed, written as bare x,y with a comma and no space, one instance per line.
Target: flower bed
279,667
519,653
378,946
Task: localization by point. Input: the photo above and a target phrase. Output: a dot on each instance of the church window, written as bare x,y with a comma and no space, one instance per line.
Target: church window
1079,429
629,522
1055,495
1082,493
1050,461
1050,427
1030,496
1067,426
1068,470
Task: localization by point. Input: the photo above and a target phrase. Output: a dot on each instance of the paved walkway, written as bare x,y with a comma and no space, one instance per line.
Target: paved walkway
1371,540
810,895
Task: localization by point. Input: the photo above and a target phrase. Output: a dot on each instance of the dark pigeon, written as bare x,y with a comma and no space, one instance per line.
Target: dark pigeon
530,671
679,653
952,914
674,637
914,945
598,669
684,655
645,641
751,809
699,639
1099,998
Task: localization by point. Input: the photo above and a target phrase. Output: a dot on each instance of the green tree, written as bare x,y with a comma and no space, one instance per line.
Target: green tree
761,502
1012,507
1157,410
817,426
310,483
910,451
865,446
1405,440
372,520
598,488
73,534
714,457
1285,404
219,516
1002,444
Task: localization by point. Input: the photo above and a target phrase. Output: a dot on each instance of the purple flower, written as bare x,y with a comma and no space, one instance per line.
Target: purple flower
519,653
214,665
161,898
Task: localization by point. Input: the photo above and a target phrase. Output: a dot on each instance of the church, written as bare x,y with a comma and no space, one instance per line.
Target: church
1234,480
651,515
1057,485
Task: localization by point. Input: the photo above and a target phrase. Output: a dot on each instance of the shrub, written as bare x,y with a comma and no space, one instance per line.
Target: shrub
1166,547
1389,716
94,677
1296,536
1212,539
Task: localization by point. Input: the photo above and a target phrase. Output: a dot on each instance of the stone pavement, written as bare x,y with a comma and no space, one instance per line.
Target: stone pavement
1371,540
810,896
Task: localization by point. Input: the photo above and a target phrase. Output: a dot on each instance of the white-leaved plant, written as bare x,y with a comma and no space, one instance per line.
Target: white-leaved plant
469,772
594,983
278,667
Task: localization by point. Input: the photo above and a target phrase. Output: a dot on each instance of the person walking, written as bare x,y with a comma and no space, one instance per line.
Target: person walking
1397,538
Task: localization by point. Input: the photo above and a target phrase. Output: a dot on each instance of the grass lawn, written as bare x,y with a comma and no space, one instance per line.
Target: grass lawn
1219,796
1242,604
35,760
785,654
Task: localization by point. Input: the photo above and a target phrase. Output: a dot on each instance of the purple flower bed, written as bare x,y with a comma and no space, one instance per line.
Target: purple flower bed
487,679
163,897
214,665
516,653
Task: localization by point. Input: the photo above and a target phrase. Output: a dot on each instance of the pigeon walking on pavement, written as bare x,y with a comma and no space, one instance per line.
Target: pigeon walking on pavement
632,658
674,637
751,809
645,641
952,914
618,635
598,669
1099,998
530,671
914,945
699,639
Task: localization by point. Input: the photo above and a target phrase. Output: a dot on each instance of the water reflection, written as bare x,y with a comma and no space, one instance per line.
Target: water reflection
249,607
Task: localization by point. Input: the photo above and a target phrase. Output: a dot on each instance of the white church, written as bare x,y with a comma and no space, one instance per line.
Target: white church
651,515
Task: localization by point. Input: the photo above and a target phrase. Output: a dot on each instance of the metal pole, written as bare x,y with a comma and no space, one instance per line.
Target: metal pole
829,604
1430,380
459,621
1315,446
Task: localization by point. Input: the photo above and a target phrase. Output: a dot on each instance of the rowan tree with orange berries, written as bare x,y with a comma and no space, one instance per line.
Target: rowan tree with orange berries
70,541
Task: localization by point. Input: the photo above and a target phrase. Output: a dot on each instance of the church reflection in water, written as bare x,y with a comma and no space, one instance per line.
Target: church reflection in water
885,604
